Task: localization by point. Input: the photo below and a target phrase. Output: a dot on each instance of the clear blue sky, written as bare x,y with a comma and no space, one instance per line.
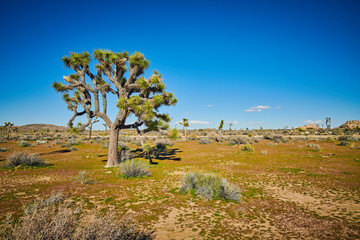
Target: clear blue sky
254,63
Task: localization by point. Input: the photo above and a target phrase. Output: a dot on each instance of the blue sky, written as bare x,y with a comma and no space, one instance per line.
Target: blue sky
254,63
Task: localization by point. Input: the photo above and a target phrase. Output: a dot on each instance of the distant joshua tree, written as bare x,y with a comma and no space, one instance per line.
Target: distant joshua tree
94,120
136,95
185,123
230,126
220,128
8,126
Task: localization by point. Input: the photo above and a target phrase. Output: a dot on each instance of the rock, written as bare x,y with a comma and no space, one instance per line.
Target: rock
309,126
351,124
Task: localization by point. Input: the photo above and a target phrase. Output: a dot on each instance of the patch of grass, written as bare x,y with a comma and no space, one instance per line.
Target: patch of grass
85,178
292,170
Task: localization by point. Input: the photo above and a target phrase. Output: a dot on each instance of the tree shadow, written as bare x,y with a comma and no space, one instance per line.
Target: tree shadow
159,154
54,152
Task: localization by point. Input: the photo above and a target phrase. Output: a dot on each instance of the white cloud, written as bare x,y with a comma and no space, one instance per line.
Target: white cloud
255,122
232,122
209,105
258,108
278,107
198,122
313,122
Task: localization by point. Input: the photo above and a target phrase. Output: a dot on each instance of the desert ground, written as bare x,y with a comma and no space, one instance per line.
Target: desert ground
289,189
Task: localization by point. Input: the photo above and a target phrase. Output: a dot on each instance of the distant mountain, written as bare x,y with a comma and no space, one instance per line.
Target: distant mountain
40,127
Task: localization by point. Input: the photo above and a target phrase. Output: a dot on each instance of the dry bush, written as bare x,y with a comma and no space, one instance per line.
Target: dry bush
131,168
60,221
85,178
209,186
163,143
24,144
25,159
205,140
237,140
314,146
214,136
124,154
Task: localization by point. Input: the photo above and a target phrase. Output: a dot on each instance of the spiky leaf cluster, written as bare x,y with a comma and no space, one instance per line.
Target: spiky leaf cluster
136,94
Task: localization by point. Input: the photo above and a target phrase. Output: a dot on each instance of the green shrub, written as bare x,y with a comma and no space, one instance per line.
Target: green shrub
131,168
347,138
24,144
247,148
24,159
209,186
344,143
174,134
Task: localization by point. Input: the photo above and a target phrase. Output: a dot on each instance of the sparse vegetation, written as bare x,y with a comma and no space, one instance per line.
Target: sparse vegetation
24,144
133,168
205,140
85,178
209,186
50,219
25,159
247,148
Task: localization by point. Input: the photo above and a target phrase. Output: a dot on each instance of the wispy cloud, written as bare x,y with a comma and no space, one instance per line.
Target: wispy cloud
210,105
232,122
255,122
278,107
313,122
258,108
198,122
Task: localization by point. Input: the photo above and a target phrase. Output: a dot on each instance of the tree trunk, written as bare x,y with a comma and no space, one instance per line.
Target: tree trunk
8,133
113,146
140,137
90,128
185,135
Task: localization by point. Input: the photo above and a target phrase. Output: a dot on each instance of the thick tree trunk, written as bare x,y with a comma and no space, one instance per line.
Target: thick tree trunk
185,135
113,145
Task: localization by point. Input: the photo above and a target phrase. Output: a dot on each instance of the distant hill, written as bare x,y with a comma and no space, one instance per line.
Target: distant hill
350,124
40,127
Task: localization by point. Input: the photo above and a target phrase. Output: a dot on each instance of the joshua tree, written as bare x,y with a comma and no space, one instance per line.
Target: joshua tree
230,126
94,120
104,124
137,95
8,125
221,127
185,123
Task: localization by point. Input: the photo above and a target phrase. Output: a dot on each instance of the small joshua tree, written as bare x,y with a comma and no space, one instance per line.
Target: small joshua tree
138,96
8,126
185,123
94,120
220,128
